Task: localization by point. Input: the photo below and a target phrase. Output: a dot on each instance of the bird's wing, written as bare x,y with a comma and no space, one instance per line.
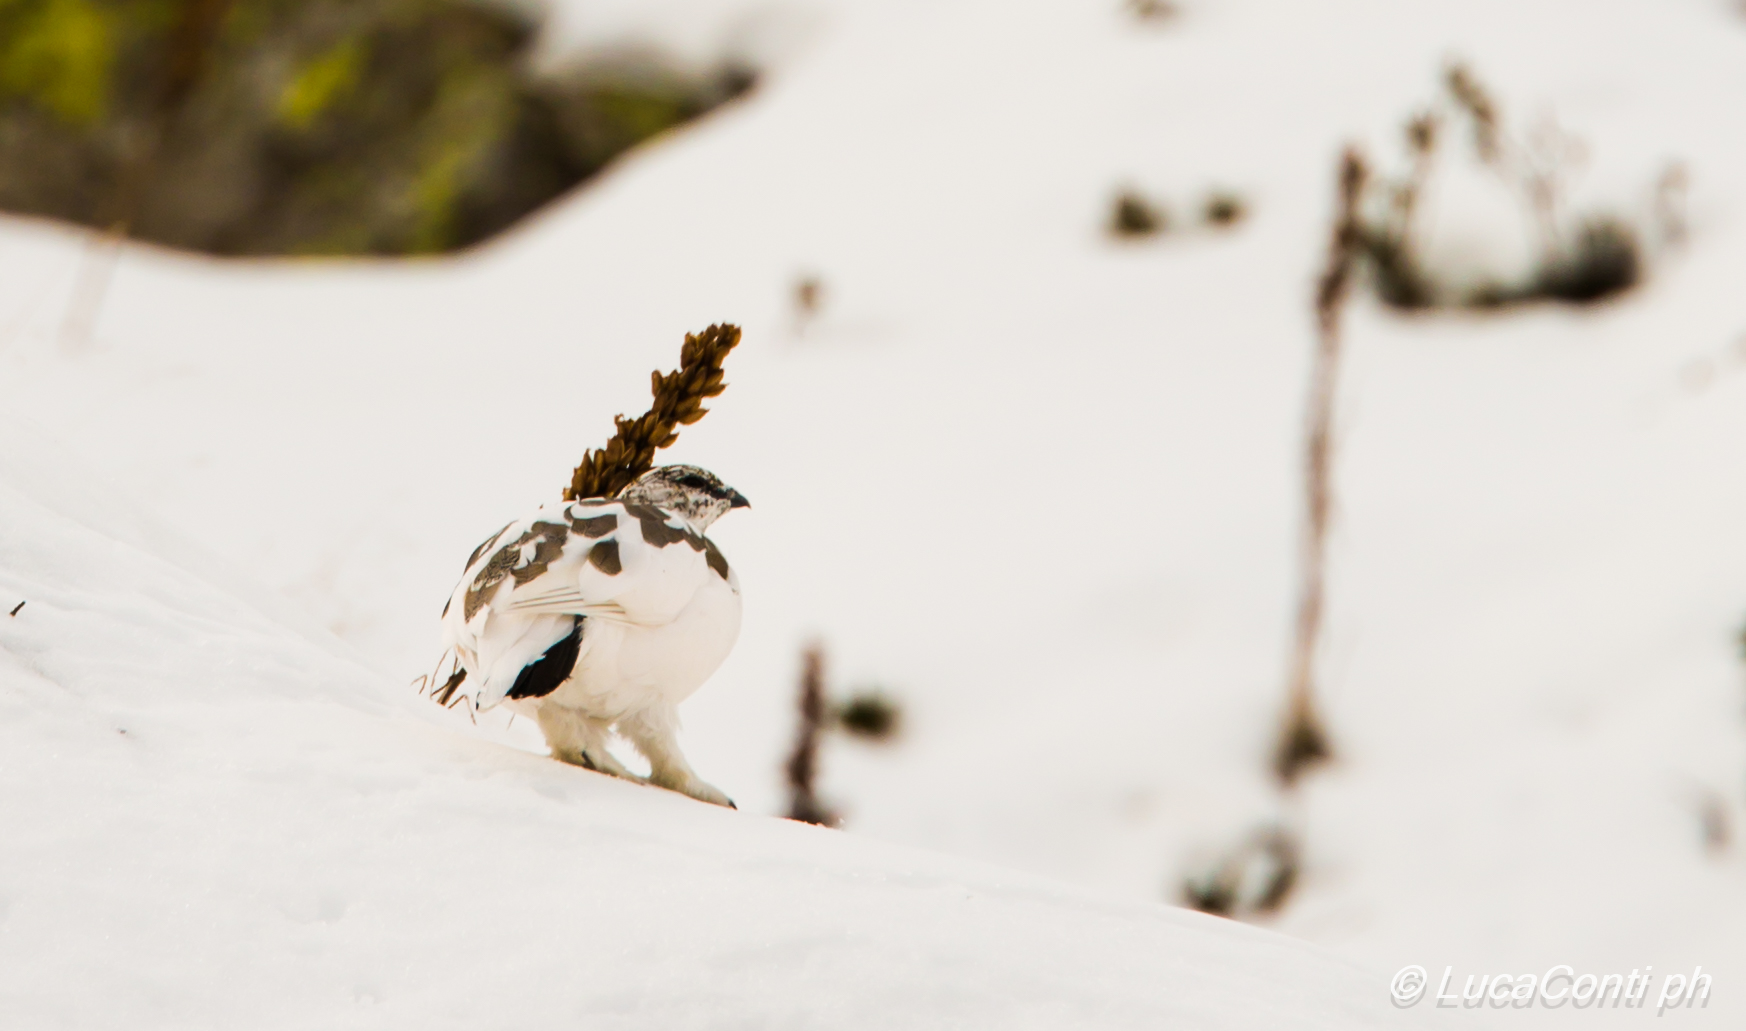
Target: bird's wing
595,559
512,648
632,563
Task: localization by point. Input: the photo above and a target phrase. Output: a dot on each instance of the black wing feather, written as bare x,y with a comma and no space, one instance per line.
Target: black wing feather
543,675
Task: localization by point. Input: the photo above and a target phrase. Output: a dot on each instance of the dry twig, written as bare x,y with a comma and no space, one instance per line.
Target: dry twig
802,769
1473,98
1304,742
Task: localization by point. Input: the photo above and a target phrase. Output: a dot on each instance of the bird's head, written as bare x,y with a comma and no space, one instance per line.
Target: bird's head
693,494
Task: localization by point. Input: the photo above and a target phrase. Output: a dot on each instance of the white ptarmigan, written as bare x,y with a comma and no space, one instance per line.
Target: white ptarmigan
598,614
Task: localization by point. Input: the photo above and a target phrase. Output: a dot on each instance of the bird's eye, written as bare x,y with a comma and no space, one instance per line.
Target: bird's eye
694,482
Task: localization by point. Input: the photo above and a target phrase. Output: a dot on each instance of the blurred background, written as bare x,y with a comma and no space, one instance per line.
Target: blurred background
1280,458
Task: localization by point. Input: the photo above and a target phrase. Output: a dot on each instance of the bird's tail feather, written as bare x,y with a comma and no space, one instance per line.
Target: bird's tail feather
517,678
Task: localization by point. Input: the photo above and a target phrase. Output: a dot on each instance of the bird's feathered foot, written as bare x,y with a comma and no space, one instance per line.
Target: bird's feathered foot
580,741
701,790
654,732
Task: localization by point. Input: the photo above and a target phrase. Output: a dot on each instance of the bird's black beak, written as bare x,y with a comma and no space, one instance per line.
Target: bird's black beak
737,500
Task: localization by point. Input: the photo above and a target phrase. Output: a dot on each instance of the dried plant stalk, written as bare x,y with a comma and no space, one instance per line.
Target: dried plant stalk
1477,102
679,398
802,769
192,36
1303,742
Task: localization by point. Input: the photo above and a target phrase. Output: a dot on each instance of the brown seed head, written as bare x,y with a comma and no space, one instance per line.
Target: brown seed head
679,397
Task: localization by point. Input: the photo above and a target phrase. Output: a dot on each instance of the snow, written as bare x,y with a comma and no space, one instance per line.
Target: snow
214,821
1041,487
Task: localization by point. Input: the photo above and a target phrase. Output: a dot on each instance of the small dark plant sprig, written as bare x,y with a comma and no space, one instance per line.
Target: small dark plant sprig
679,398
1252,880
1475,99
869,715
1223,209
802,767
1152,10
1133,215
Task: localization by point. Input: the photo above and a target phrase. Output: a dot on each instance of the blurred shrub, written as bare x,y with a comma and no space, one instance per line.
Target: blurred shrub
870,715
1582,259
309,127
1253,879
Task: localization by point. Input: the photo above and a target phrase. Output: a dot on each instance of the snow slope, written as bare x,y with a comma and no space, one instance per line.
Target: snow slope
1538,572
212,821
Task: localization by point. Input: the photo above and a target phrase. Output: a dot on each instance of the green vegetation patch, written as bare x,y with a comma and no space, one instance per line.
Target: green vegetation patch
256,127
58,54
318,84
